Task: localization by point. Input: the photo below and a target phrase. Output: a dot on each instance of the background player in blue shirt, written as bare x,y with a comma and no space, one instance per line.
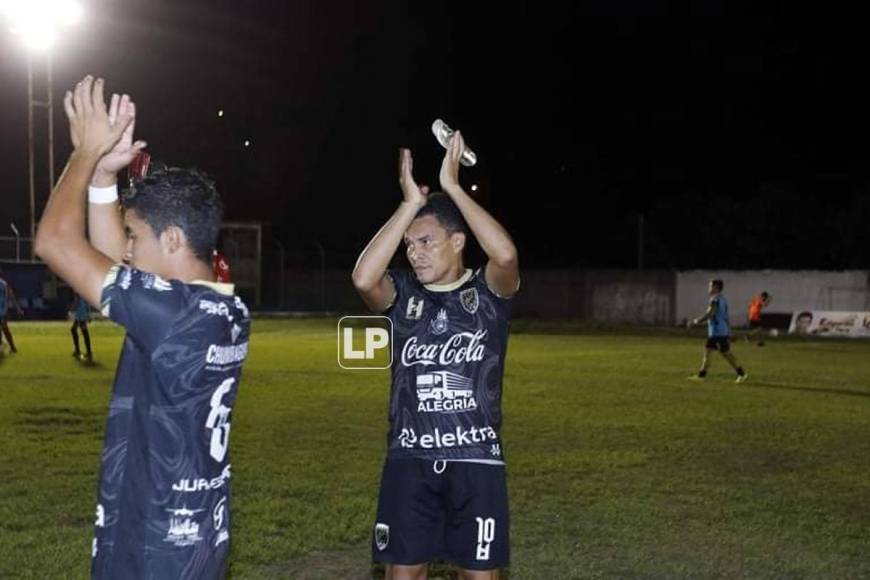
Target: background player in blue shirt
718,331
443,493
163,508
7,300
81,315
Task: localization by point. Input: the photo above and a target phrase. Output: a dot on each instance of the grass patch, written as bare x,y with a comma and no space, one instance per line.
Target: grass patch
618,466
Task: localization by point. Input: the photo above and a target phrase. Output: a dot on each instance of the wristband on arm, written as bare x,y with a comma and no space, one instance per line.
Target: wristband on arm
103,195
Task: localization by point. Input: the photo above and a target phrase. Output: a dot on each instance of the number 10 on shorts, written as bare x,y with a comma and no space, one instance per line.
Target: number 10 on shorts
365,342
485,536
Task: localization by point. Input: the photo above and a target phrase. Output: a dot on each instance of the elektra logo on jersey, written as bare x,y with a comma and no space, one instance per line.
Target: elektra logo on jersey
437,439
460,348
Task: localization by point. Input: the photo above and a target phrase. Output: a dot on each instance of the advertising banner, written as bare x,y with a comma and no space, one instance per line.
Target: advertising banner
830,323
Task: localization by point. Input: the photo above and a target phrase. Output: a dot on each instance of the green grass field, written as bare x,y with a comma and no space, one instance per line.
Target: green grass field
618,466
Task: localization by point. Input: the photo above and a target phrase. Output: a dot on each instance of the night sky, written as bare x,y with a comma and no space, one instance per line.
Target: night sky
740,135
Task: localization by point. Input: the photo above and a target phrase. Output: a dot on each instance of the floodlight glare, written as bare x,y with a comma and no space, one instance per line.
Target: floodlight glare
38,22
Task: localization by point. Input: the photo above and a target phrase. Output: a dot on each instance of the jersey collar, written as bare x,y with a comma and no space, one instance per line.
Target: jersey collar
219,287
451,286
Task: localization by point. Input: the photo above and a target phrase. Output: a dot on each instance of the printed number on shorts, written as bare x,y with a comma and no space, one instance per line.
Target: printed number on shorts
485,536
219,421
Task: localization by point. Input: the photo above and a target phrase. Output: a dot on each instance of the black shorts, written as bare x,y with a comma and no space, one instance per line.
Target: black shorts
720,343
459,515
754,324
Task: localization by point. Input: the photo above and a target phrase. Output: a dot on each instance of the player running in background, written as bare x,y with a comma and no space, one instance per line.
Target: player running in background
718,332
7,299
164,496
443,493
756,305
81,315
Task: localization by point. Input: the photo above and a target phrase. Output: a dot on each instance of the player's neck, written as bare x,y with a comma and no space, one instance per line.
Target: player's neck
189,270
450,276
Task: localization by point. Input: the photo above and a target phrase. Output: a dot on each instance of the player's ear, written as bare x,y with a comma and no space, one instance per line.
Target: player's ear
172,239
457,242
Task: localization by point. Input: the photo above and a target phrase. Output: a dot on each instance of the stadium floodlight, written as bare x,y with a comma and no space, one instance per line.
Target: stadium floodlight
39,22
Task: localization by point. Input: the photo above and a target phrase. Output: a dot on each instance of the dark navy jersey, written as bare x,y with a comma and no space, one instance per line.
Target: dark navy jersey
164,498
449,347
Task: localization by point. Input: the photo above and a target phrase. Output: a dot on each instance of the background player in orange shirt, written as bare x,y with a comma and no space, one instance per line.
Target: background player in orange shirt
756,305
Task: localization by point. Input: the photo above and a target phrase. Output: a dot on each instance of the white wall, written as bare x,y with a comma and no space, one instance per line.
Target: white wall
791,289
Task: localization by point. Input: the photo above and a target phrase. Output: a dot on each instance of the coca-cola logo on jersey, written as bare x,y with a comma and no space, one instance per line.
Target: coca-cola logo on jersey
462,347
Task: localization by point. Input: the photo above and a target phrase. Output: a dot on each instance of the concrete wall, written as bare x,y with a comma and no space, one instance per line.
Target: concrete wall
632,297
613,295
791,289
552,294
658,297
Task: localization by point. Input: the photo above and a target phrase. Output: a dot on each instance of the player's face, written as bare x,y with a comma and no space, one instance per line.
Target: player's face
434,254
144,251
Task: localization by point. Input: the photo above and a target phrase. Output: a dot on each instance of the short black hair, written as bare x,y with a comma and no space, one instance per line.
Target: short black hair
806,314
718,283
764,294
440,205
185,198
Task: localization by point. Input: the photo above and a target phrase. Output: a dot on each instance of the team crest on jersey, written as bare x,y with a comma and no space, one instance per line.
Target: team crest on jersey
382,536
469,300
439,325
414,311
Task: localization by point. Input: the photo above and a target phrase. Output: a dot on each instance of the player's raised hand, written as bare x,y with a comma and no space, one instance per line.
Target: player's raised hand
90,127
125,150
412,192
449,175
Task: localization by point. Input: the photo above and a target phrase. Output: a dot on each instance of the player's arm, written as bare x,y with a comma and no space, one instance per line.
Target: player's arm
60,239
502,269
370,273
711,312
105,226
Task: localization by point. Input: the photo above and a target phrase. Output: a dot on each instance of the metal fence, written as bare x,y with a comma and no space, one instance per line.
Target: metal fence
15,249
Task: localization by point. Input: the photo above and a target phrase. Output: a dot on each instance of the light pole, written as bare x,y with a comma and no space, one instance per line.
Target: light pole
17,241
38,23
33,104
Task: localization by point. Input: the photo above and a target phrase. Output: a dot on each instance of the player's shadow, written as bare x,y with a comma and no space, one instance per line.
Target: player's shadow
847,392
89,363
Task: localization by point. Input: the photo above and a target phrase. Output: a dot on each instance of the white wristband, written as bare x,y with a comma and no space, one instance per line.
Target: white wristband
103,194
